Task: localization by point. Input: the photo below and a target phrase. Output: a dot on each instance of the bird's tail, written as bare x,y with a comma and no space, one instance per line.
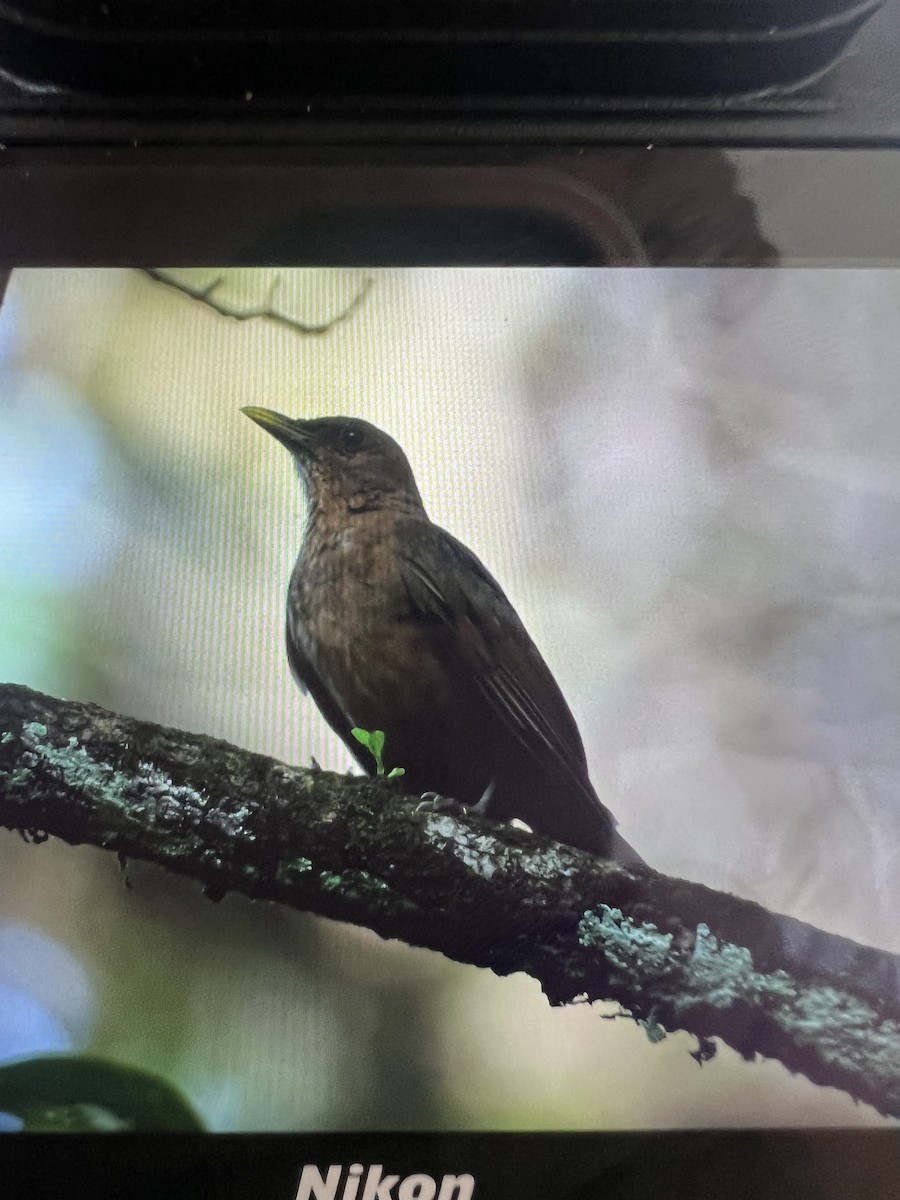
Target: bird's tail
624,852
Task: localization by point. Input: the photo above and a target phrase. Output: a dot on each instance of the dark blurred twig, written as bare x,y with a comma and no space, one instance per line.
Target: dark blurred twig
676,955
206,295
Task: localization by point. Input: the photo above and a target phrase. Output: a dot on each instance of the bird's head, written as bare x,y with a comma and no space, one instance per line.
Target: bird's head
344,460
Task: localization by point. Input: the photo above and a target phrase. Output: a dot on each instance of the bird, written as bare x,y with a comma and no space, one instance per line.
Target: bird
394,625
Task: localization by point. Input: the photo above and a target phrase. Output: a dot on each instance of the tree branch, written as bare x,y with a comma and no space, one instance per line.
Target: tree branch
206,295
676,955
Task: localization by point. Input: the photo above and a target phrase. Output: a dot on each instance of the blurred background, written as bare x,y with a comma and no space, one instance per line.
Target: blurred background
686,481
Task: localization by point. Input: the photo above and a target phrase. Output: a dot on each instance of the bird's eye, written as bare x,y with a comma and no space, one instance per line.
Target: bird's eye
350,440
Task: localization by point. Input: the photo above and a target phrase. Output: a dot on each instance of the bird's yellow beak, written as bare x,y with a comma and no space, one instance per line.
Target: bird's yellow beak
289,433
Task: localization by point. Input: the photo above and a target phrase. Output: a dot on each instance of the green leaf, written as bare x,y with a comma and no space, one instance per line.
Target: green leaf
77,1093
374,742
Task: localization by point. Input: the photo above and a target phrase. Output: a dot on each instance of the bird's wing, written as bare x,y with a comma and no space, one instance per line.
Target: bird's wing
310,681
448,585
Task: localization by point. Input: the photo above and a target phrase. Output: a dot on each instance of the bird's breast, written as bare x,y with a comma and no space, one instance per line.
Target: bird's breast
349,611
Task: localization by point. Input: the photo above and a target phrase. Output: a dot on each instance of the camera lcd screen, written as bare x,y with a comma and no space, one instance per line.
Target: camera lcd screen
685,485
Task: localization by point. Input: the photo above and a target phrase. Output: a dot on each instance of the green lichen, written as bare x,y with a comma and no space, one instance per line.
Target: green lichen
489,857
636,950
5,738
372,881
716,974
475,858
654,1031
849,1036
724,973
353,883
720,972
76,767
841,1030
841,1027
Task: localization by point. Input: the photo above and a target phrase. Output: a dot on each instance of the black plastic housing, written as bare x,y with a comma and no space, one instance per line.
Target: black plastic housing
486,48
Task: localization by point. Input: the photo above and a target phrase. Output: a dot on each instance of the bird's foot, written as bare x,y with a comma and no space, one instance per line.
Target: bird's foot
482,806
434,802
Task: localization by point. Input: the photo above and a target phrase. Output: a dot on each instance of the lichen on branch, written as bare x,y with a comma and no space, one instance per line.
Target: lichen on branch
673,954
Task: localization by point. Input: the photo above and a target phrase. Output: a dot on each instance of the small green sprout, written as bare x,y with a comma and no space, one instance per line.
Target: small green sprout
374,742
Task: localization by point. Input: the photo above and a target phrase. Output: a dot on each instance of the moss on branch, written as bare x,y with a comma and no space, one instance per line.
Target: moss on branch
674,954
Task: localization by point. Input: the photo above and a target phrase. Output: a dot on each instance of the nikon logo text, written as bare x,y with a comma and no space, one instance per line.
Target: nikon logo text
370,1183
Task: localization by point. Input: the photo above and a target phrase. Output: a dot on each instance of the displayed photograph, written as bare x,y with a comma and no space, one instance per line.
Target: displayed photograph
449,699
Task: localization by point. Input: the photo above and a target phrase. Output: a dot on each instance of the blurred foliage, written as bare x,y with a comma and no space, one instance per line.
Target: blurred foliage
78,1094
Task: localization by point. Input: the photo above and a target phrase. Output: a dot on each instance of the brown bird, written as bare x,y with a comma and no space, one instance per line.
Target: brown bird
393,624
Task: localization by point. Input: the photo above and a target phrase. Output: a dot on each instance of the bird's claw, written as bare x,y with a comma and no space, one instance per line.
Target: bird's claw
434,802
